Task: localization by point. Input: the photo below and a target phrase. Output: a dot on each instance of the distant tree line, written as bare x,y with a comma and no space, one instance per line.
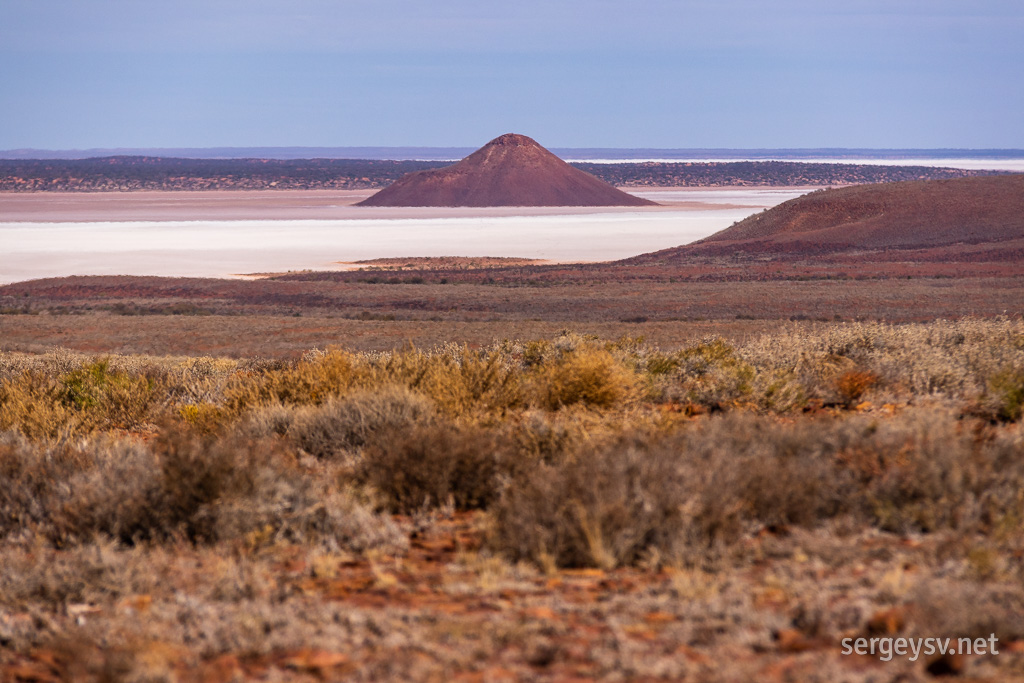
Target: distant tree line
711,174
126,173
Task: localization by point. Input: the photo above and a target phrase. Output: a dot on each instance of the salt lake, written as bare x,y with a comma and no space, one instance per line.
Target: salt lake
226,248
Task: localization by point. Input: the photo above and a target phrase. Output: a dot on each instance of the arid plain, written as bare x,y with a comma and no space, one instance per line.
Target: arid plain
712,463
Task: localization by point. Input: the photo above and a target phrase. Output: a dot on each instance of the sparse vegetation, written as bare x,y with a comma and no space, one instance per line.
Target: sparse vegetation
324,515
155,173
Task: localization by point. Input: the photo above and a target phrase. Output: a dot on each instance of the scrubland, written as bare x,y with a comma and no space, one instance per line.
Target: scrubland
569,507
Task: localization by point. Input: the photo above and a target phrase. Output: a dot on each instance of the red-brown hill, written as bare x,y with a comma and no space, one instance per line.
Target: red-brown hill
511,170
904,216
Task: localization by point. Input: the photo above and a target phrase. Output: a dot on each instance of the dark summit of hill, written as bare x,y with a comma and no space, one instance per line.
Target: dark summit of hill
906,215
511,170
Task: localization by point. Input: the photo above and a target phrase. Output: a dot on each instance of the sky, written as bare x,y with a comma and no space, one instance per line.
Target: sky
82,74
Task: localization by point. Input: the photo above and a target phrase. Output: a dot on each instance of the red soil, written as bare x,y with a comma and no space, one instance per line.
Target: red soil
512,170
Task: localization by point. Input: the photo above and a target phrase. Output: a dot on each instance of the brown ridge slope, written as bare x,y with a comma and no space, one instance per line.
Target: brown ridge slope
511,170
906,215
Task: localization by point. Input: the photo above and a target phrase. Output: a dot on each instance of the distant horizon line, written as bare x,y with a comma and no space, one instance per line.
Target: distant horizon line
442,153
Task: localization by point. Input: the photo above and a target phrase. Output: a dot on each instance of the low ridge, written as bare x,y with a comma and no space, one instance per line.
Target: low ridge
904,215
511,170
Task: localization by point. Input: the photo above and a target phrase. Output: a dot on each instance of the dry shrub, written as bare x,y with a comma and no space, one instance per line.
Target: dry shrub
853,384
67,494
206,418
342,424
688,494
42,405
270,420
604,508
199,380
669,496
708,374
1006,391
30,403
754,473
110,399
232,488
589,376
916,472
457,379
86,574
924,472
29,477
541,436
310,508
198,488
310,381
435,464
951,358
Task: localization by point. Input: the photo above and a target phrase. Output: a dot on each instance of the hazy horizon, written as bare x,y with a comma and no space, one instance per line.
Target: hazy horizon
591,154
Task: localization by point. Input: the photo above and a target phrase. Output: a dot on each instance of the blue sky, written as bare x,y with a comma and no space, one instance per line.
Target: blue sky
646,73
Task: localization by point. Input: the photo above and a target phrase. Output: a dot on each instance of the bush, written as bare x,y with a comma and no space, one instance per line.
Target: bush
432,464
590,376
1007,391
853,384
342,424
605,508
310,381
31,404
711,374
458,380
687,494
199,488
108,398
40,405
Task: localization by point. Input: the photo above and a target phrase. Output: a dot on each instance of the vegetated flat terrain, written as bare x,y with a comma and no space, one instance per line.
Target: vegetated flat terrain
561,508
274,318
217,480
